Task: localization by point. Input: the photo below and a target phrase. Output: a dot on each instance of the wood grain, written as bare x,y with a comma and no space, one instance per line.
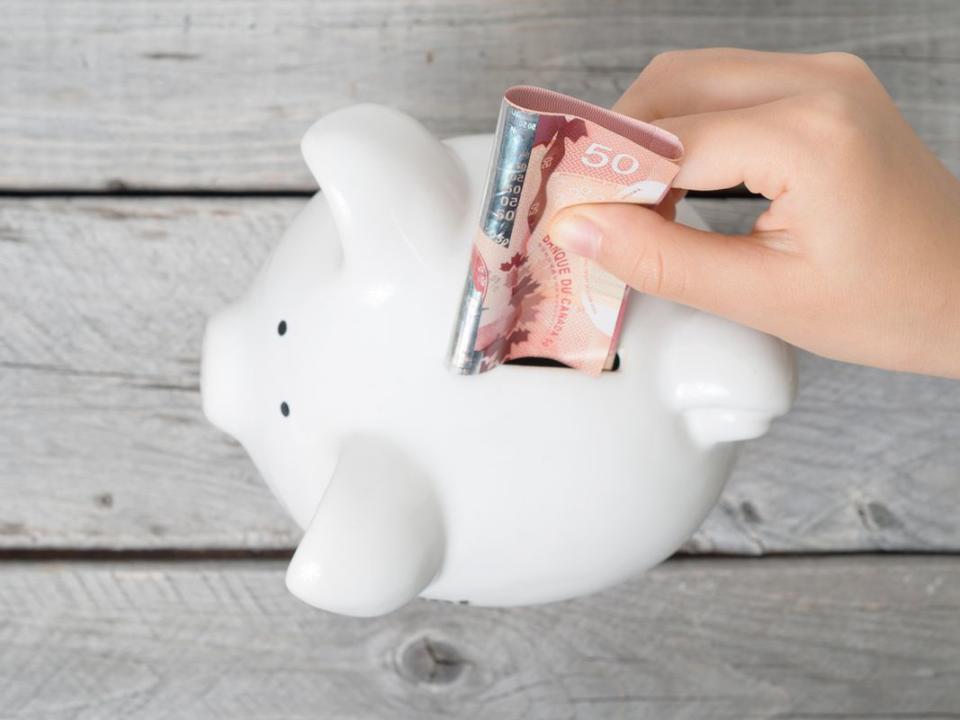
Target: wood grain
734,639
103,445
192,94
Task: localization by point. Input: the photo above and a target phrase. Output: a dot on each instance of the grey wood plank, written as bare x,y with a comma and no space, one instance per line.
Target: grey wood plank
103,445
99,94
744,639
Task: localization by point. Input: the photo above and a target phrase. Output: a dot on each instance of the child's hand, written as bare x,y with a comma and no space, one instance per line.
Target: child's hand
857,257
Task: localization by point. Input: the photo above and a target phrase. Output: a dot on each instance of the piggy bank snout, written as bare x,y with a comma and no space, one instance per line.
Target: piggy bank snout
221,373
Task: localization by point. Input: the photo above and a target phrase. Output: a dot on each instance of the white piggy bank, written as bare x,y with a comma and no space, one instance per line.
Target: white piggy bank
521,485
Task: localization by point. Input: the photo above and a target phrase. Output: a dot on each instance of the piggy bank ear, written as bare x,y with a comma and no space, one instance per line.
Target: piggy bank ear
392,187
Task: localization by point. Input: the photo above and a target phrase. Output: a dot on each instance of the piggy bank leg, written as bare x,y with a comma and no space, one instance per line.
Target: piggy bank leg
376,540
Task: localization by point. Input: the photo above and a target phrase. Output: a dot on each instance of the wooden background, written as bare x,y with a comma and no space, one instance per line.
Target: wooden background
149,162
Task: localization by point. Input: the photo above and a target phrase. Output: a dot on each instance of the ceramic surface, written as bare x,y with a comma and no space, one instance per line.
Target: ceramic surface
522,485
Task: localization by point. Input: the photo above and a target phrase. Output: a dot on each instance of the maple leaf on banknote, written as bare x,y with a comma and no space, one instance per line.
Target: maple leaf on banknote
525,287
517,337
496,352
500,349
515,262
530,309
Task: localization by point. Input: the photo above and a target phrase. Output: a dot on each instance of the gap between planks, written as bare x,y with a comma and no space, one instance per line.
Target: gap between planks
229,555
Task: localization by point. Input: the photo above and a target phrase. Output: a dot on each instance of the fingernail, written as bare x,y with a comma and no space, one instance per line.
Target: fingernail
578,235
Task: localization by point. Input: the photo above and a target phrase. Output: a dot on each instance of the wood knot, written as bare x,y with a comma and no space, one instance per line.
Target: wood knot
431,662
104,500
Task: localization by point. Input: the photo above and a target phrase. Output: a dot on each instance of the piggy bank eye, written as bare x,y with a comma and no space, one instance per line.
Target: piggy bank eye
284,409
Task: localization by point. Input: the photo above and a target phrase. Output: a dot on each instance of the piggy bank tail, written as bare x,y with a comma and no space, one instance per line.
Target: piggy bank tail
377,538
727,381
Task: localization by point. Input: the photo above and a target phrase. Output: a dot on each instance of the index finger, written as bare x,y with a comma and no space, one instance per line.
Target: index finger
690,82
757,146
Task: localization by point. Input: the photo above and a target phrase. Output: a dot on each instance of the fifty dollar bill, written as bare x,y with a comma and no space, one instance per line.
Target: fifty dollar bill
525,296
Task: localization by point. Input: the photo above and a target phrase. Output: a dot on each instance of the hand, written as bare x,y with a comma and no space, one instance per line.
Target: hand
858,255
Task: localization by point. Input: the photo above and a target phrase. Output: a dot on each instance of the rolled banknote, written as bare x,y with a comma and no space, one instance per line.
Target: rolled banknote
524,296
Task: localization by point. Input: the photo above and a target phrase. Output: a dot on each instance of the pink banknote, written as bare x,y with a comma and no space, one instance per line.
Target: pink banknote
525,296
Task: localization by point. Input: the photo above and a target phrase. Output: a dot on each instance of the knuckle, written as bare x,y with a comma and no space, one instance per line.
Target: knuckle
660,62
849,71
836,108
831,117
672,59
846,63
663,57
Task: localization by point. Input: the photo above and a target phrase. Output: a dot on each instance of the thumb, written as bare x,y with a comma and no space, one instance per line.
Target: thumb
731,275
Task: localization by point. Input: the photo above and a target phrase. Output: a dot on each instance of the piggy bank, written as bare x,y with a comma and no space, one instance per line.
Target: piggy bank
521,485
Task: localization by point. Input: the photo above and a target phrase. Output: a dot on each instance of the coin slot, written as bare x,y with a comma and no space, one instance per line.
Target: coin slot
548,362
